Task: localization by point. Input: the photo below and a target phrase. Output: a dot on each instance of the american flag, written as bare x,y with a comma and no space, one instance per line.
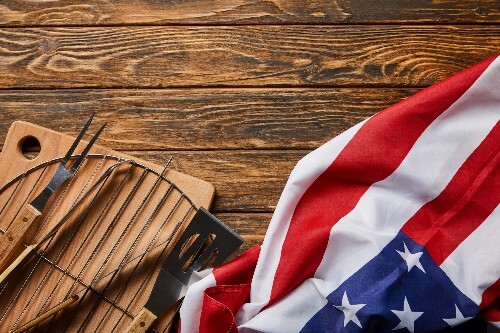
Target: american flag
393,226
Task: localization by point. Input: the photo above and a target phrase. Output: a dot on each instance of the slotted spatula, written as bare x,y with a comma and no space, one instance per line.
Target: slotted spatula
205,238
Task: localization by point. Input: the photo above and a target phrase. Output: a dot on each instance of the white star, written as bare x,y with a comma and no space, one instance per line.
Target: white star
459,318
407,317
349,310
412,259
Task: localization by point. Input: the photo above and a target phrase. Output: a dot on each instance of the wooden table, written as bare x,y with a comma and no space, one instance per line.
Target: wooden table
237,91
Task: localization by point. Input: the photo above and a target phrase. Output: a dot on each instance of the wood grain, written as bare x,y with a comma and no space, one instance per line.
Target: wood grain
12,240
142,322
201,119
116,12
237,91
54,311
245,181
251,226
240,56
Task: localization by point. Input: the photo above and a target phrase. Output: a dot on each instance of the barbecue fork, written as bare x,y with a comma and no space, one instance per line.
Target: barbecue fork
30,250
26,220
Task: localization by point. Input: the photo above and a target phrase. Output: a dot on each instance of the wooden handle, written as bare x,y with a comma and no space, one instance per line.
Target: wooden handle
16,262
32,323
142,322
14,236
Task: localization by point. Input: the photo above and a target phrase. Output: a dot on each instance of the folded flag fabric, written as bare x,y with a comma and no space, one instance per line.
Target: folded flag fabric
393,226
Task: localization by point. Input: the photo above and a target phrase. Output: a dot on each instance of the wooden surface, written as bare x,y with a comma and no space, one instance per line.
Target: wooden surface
152,57
237,91
12,240
197,12
107,231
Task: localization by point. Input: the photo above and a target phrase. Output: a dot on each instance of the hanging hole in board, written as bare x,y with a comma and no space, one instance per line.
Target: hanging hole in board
30,147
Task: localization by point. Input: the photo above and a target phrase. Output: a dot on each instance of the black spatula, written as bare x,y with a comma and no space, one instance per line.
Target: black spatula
205,238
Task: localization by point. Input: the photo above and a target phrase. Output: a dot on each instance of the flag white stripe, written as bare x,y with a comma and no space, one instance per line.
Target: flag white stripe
475,263
388,204
302,302
424,173
307,170
193,302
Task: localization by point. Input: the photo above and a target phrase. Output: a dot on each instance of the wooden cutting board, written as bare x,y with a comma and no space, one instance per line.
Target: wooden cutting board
84,249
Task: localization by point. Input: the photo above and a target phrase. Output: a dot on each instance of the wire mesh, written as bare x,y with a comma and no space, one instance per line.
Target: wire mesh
106,253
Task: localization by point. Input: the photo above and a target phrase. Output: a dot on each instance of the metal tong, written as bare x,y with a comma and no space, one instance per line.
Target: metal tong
27,218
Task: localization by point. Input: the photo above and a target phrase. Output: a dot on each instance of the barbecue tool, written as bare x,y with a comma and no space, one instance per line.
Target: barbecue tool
30,213
31,249
109,250
98,294
173,276
69,301
206,238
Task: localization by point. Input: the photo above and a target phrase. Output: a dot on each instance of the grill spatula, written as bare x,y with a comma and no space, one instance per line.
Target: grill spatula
180,265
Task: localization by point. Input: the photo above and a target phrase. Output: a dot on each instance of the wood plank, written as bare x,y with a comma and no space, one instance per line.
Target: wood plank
251,226
240,56
201,119
116,12
245,181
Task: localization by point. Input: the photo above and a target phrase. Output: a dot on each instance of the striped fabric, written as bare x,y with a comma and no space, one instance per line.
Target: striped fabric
394,225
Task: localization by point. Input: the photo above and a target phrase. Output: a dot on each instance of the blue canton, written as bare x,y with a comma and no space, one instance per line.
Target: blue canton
400,290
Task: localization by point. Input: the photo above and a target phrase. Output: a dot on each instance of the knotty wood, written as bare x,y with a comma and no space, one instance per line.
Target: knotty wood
240,56
53,145
201,119
116,12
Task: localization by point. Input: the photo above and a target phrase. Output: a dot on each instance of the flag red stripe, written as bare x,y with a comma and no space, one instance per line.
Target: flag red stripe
468,199
239,270
373,154
490,304
220,303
